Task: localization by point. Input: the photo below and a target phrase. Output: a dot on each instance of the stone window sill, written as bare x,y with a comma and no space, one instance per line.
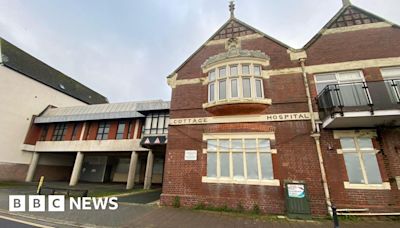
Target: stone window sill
383,186
216,180
266,101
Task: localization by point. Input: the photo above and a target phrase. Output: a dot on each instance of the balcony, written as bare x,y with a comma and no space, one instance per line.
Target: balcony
360,104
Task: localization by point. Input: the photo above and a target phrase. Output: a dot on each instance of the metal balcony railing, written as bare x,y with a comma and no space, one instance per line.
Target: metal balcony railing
358,96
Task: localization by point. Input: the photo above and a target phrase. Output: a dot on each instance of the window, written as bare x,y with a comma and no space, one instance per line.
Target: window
102,132
391,76
156,123
360,160
239,159
234,88
120,130
257,70
43,133
347,86
211,75
233,70
222,72
211,92
75,131
222,89
246,87
245,69
259,92
59,132
235,81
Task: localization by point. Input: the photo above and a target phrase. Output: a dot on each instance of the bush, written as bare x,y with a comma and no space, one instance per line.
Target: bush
177,202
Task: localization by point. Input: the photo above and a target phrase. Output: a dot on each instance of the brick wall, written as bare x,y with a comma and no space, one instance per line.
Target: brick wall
297,156
375,200
296,160
359,45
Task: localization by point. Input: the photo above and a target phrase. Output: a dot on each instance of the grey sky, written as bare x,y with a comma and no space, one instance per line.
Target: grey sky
125,49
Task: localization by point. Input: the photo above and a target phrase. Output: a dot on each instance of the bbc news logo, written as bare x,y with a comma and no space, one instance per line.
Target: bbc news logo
37,203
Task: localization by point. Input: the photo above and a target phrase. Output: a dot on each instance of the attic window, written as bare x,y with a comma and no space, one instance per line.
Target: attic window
61,86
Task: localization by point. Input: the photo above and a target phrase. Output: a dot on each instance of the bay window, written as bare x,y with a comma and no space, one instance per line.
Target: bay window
235,82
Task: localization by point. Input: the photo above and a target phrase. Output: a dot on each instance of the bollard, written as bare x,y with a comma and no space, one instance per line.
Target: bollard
39,187
335,217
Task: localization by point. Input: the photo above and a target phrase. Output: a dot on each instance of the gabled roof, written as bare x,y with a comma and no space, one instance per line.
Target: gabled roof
22,62
101,111
348,15
231,29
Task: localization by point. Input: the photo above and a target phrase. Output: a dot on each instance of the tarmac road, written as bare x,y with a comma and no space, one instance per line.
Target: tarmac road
6,222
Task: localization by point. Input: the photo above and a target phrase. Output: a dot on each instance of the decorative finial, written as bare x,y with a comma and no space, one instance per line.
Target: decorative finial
232,8
346,2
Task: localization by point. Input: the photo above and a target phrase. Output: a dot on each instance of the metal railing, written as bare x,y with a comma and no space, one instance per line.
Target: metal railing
358,96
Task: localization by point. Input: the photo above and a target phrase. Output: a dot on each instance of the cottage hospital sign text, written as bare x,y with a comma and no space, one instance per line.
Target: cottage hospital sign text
238,119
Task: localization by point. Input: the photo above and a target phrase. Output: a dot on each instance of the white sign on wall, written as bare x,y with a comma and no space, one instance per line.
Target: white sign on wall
296,190
190,155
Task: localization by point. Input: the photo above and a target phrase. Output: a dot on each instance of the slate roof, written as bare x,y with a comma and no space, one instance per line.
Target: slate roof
101,111
22,62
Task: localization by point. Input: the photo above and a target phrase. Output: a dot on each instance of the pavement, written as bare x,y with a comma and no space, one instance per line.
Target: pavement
142,198
132,214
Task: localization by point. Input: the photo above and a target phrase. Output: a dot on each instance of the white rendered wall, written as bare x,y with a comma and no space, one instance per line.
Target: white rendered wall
20,98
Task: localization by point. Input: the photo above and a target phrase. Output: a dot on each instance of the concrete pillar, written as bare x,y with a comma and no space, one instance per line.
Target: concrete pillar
132,170
76,171
149,170
32,167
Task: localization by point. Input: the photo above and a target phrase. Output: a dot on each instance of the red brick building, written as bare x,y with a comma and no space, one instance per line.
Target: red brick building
119,142
249,115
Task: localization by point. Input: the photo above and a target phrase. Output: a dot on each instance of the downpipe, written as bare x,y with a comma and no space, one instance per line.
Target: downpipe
316,135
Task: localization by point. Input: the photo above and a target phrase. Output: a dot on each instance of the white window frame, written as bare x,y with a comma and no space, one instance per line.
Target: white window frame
355,135
337,78
239,77
387,75
231,179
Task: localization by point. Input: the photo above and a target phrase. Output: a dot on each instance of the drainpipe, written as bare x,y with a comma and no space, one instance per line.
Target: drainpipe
316,135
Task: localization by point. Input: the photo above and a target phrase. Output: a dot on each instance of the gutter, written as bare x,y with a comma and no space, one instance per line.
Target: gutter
316,135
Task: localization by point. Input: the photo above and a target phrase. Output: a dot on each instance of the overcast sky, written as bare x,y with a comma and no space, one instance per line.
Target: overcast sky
125,49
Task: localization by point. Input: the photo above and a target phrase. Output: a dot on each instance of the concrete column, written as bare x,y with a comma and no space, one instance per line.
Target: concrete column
32,167
76,171
132,170
149,170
